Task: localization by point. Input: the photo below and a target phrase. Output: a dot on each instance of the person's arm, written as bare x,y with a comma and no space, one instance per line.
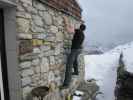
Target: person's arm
69,28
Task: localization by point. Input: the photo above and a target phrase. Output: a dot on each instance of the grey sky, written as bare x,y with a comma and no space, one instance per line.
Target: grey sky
109,22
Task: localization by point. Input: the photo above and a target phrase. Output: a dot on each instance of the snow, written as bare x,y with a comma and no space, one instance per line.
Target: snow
128,59
76,97
103,68
79,92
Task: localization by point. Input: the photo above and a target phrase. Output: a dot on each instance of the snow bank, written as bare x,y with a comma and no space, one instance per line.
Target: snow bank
103,68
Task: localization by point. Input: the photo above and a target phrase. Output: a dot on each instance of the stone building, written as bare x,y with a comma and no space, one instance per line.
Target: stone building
36,43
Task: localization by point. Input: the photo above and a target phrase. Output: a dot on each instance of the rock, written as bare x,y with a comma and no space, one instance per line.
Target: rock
57,50
52,12
41,13
37,29
74,83
27,72
64,93
26,90
54,29
37,69
36,50
26,81
44,76
39,36
45,48
25,64
29,2
48,53
55,95
37,42
47,18
57,73
51,77
35,79
41,55
59,36
50,39
35,62
24,36
39,6
42,83
30,9
44,65
57,77
90,90
20,8
25,57
52,60
58,20
61,29
58,81
23,25
37,20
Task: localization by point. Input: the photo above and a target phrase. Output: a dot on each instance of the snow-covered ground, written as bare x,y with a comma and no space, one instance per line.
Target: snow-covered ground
103,68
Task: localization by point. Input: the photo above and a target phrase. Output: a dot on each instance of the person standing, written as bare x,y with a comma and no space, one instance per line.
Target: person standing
76,49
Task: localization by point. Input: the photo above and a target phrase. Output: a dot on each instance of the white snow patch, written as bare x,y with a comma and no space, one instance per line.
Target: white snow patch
76,98
79,92
128,59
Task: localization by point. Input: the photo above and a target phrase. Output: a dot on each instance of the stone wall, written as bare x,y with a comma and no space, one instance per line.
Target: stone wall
43,44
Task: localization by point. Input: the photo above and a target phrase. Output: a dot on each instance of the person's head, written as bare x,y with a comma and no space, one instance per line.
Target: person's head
82,27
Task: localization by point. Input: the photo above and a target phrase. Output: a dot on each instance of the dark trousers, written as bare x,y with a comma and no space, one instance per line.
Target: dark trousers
71,63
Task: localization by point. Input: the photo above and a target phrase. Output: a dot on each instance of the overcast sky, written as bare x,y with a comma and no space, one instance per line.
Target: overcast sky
109,22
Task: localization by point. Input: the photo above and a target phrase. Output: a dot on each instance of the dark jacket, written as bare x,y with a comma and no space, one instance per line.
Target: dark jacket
78,39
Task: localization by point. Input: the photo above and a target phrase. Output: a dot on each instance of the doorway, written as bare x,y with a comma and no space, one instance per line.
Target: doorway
4,89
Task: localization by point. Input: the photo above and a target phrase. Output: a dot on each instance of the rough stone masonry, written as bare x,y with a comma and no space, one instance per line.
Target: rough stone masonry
43,44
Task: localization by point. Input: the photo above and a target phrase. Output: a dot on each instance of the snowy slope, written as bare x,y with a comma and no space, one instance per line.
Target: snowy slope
103,68
127,50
